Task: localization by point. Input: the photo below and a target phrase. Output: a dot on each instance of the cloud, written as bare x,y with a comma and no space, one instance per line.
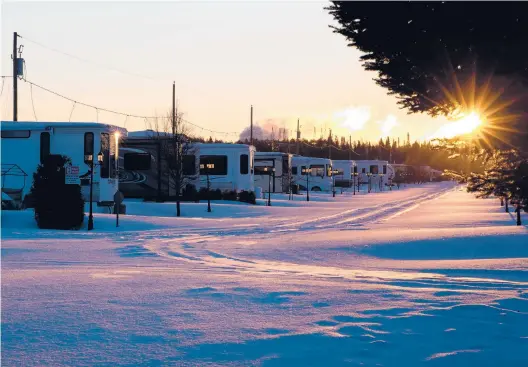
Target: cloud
388,124
353,118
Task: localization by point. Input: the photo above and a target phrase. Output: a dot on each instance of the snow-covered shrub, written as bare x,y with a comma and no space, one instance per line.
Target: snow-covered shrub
57,205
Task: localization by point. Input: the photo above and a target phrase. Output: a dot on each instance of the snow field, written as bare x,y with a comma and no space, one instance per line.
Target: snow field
426,275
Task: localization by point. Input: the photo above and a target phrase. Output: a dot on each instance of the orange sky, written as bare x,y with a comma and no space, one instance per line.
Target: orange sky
281,57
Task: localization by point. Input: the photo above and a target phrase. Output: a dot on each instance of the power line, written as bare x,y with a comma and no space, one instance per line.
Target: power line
113,68
3,82
331,146
110,67
32,103
97,109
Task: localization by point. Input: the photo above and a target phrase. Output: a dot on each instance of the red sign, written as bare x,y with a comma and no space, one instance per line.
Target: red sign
72,170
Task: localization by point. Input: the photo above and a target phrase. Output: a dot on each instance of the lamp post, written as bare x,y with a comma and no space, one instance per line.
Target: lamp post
207,167
271,171
89,158
354,179
307,172
334,172
118,203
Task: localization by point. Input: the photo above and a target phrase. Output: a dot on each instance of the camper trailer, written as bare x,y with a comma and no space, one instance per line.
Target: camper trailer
344,177
374,174
230,166
276,164
320,177
26,144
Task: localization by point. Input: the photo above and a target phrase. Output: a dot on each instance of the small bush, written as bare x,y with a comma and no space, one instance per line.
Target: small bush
57,205
230,195
216,194
247,197
189,193
203,194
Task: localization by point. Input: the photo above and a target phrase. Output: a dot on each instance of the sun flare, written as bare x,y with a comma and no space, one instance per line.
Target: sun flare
466,124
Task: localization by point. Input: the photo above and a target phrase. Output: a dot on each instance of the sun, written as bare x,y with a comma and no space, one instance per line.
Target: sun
489,103
466,124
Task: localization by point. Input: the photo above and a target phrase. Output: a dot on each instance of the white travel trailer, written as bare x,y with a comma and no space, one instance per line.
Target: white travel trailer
281,176
232,166
375,173
26,144
320,177
345,172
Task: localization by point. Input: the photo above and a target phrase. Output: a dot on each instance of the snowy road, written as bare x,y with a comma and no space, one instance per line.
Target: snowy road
427,275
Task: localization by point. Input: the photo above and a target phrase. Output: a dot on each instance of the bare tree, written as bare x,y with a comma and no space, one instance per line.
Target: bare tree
178,153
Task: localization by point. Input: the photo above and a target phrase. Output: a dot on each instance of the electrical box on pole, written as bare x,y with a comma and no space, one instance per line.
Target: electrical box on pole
19,67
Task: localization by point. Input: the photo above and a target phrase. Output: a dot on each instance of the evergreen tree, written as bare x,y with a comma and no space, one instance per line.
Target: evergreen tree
57,205
437,57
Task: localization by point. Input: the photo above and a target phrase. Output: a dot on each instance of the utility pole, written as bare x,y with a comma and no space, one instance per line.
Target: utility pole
350,147
298,137
251,127
330,145
176,138
15,77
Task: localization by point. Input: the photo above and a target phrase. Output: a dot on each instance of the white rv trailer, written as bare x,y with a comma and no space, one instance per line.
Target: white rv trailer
281,177
345,172
233,166
26,144
320,178
378,173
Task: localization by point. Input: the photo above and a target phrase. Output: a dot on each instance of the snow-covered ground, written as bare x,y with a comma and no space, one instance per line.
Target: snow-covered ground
425,275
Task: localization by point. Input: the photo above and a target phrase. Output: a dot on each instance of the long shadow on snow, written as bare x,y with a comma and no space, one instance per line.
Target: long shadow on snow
459,248
479,335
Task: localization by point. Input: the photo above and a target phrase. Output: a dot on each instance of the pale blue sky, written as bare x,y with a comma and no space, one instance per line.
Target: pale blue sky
224,56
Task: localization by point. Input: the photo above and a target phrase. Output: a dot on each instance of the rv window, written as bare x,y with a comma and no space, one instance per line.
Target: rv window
340,172
363,170
220,164
189,165
88,146
318,170
137,161
244,164
374,169
302,170
384,169
355,169
294,170
16,133
105,149
44,146
263,170
329,170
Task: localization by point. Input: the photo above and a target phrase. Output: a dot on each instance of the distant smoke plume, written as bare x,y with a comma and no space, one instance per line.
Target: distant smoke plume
263,130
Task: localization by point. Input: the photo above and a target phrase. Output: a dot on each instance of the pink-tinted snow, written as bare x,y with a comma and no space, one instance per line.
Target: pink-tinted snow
425,275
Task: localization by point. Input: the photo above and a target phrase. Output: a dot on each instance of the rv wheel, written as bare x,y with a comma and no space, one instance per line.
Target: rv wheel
316,188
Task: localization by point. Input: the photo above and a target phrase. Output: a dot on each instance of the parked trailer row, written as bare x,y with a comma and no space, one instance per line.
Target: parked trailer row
228,167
